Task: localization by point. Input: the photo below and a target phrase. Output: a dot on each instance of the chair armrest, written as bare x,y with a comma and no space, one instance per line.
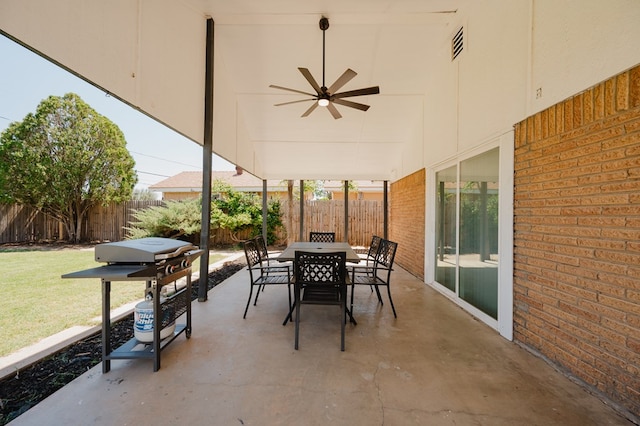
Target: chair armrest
370,270
285,268
362,268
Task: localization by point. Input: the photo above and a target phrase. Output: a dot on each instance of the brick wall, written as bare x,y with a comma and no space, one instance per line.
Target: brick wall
406,221
577,236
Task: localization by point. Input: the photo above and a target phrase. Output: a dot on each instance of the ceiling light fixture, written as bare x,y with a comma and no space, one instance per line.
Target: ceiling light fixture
323,102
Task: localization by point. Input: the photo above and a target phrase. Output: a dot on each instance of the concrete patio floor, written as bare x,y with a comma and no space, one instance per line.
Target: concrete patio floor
433,365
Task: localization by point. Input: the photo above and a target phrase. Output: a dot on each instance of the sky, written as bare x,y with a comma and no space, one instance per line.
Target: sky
159,152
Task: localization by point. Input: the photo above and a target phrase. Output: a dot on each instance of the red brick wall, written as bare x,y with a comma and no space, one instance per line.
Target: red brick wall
406,221
577,236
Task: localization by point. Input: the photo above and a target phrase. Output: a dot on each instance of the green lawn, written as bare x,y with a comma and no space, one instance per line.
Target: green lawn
37,302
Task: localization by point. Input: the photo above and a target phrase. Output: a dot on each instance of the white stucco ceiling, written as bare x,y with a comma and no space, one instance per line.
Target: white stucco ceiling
160,43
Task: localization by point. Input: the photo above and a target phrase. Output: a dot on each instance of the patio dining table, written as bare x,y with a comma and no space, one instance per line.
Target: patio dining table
289,254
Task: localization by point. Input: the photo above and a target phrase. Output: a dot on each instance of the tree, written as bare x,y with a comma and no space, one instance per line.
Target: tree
230,209
238,211
64,159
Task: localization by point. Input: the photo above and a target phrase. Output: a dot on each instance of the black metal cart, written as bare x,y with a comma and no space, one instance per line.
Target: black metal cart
164,270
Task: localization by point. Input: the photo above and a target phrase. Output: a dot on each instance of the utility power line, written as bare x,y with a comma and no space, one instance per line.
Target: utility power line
164,159
153,174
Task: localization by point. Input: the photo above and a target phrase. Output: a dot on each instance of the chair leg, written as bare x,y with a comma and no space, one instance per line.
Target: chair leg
353,287
297,302
343,320
352,320
290,314
248,301
343,317
391,301
257,294
291,306
378,294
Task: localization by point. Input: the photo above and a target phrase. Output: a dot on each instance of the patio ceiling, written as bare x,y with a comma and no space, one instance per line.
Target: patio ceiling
392,44
389,44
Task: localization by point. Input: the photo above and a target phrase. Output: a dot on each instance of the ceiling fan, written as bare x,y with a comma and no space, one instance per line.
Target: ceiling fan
327,97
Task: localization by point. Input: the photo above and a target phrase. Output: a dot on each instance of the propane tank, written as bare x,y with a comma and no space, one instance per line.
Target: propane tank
143,320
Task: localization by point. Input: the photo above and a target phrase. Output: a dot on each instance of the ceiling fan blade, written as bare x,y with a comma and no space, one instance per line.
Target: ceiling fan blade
293,102
332,109
305,72
359,92
291,90
310,110
361,107
342,80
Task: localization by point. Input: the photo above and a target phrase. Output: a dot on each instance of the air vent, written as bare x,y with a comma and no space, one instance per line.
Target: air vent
457,44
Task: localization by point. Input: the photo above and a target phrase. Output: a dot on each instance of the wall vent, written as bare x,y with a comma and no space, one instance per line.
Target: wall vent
457,43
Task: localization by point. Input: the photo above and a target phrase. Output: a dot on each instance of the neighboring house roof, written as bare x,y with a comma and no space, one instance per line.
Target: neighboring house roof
239,180
246,182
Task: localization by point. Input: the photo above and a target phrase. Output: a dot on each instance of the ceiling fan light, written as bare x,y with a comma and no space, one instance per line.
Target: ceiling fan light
323,102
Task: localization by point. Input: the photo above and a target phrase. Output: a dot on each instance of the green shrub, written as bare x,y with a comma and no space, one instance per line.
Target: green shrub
230,209
176,219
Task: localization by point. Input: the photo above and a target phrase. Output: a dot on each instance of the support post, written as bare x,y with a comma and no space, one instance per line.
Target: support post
265,210
302,237
385,202
207,152
346,211
290,238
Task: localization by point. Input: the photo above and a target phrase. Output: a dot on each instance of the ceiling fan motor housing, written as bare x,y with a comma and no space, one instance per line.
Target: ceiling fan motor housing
324,23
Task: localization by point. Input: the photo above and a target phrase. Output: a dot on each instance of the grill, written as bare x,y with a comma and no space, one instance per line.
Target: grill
164,255
159,262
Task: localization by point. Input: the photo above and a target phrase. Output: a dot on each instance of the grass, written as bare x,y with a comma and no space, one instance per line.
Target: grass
37,302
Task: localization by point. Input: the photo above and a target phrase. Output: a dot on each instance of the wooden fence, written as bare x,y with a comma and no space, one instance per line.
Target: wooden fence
19,224
366,218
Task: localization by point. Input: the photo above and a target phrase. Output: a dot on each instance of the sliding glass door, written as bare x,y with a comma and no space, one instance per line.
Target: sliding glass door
467,230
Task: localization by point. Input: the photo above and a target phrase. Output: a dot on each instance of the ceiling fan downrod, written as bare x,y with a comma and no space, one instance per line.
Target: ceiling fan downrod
324,25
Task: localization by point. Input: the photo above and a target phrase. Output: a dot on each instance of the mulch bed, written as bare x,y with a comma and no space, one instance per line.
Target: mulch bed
25,389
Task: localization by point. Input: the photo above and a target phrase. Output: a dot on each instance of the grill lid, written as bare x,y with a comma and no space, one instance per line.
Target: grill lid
145,250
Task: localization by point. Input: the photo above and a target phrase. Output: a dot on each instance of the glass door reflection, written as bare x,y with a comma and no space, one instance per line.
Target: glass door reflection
478,253
467,230
446,237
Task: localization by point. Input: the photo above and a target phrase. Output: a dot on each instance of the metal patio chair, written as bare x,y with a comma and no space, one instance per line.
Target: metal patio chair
322,237
320,279
378,274
369,257
270,259
262,274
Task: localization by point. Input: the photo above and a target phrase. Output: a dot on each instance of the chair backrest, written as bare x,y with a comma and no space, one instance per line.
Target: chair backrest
262,246
386,254
320,268
322,237
252,253
373,248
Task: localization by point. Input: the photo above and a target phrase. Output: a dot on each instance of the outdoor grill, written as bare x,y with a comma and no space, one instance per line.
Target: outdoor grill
159,262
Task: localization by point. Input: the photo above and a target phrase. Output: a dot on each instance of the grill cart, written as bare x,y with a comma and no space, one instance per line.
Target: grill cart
159,262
